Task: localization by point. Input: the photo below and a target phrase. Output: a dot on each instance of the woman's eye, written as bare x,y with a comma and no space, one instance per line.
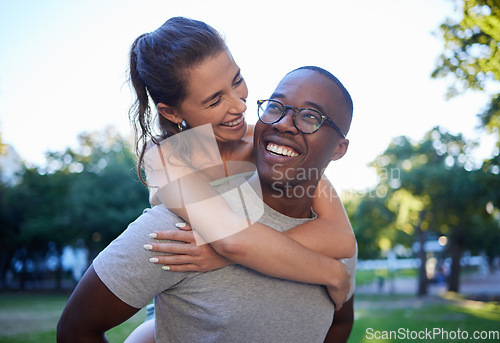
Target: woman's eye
238,81
217,102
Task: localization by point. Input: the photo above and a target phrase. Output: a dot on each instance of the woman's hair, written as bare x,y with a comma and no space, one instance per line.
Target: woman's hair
159,65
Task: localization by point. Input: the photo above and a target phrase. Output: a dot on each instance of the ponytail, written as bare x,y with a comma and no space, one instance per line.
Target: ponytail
157,73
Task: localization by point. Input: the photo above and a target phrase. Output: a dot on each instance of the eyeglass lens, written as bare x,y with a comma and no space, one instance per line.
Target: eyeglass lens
306,120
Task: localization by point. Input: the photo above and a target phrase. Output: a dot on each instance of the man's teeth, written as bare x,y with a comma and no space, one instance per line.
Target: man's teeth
281,150
234,123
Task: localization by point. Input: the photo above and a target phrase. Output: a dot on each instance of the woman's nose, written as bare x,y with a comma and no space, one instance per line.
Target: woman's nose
239,102
239,98
239,105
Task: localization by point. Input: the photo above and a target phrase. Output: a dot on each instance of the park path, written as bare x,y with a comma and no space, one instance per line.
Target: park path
470,285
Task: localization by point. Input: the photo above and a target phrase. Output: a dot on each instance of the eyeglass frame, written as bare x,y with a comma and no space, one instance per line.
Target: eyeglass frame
295,111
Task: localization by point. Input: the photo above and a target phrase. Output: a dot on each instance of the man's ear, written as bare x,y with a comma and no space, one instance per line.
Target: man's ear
340,149
169,113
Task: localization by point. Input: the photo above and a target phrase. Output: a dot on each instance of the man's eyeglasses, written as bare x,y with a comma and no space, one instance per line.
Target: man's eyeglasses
306,120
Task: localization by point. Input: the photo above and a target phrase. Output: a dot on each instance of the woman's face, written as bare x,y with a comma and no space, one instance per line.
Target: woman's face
216,94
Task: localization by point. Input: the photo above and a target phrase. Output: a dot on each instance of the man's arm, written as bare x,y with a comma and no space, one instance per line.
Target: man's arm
91,310
342,324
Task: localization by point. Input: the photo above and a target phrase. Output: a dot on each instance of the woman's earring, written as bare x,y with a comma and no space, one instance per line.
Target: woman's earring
179,126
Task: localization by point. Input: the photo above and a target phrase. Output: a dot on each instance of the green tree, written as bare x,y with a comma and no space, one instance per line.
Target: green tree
106,194
9,227
88,193
372,222
440,191
471,57
39,204
487,234
411,215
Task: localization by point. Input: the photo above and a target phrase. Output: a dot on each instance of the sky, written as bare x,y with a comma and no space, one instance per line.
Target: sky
63,67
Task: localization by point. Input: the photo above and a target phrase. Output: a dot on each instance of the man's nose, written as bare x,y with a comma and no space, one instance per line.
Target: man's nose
286,123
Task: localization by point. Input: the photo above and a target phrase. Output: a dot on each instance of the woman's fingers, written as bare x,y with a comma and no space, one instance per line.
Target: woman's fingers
182,268
174,235
183,226
171,248
179,263
172,259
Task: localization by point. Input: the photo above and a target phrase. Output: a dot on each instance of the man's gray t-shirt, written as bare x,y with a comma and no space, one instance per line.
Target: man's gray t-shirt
230,304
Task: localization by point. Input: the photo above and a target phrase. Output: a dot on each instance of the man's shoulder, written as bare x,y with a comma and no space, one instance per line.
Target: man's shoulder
156,217
154,212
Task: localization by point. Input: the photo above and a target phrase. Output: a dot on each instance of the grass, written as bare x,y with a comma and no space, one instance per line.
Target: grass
33,317
368,276
378,316
28,317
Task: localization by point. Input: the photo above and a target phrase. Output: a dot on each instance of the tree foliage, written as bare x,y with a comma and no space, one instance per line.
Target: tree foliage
471,56
444,191
440,190
372,222
90,194
106,194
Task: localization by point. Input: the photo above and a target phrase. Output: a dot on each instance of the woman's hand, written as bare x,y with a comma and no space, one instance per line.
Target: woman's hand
339,293
186,256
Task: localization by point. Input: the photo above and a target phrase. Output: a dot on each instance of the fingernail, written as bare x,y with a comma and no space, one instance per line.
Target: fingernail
179,225
153,235
148,247
165,268
153,260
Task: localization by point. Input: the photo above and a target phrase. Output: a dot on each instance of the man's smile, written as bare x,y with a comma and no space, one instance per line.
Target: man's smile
281,150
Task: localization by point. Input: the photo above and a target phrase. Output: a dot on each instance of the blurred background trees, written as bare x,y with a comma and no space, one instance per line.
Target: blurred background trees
84,195
438,190
428,190
471,58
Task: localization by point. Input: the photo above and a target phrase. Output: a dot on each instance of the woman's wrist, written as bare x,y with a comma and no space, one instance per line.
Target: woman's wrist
339,276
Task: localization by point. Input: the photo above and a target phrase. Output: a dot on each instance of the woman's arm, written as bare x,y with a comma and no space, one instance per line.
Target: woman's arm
256,246
331,233
261,248
188,194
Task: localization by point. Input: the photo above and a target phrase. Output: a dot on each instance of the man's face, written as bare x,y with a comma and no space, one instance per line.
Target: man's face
284,154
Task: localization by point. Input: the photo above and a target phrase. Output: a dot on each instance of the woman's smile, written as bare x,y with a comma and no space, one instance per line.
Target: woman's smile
235,122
